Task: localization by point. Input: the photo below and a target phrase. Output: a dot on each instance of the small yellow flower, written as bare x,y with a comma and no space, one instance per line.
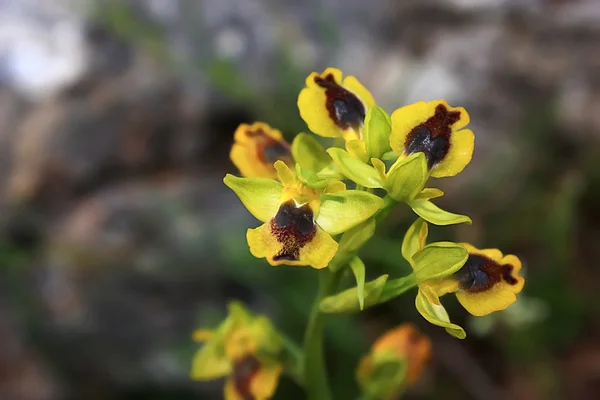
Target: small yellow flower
299,220
245,349
436,129
334,107
257,147
487,282
396,359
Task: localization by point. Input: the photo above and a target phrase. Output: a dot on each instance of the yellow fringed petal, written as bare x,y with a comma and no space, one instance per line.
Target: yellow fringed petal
462,144
264,383
202,335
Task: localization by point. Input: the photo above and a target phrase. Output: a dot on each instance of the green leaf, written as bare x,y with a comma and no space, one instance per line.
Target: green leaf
352,240
396,287
344,210
354,169
358,269
414,239
437,315
347,301
378,127
407,177
432,213
439,260
260,196
309,153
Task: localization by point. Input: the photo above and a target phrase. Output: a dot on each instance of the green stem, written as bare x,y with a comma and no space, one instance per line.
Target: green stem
315,372
388,204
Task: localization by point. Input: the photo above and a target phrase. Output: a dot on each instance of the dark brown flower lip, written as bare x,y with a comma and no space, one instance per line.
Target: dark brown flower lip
268,149
481,273
432,137
293,227
244,371
344,107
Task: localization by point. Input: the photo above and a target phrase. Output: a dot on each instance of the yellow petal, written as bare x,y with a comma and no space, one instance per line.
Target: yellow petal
210,362
462,144
353,85
264,383
229,391
202,335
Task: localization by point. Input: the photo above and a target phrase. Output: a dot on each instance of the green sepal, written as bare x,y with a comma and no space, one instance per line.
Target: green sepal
309,153
414,239
260,196
377,129
354,169
342,211
332,171
352,240
438,260
406,177
358,269
308,178
396,287
432,213
389,156
386,379
437,315
356,148
429,193
347,301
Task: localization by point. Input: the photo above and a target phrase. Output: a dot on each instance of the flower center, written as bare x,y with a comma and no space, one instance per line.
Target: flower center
244,370
268,149
432,137
481,273
345,109
293,227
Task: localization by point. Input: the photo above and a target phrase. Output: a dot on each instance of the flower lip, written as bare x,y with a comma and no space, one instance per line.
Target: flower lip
344,107
432,137
293,226
268,149
244,370
481,273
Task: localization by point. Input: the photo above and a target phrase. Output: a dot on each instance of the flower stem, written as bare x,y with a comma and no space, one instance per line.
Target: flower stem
315,372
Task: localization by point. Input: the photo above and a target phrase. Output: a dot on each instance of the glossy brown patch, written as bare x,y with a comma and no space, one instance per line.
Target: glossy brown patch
345,109
432,137
268,149
481,273
244,370
293,227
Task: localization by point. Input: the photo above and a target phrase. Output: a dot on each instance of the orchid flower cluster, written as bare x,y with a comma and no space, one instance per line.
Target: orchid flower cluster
318,206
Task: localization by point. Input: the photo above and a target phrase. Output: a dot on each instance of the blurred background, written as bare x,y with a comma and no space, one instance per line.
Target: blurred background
118,238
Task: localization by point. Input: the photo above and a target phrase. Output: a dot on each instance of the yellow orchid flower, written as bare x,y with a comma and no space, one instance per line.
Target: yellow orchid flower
436,129
245,349
484,281
488,282
299,220
256,147
334,107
